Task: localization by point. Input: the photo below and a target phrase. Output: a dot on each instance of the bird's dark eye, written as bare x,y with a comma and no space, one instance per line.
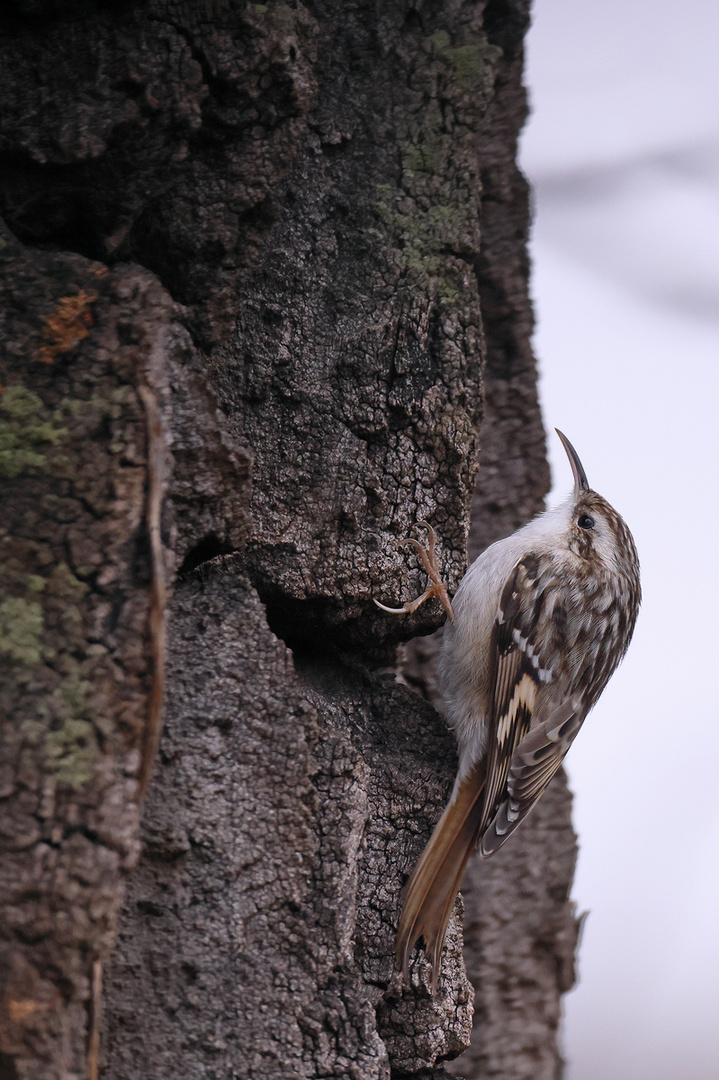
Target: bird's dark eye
585,522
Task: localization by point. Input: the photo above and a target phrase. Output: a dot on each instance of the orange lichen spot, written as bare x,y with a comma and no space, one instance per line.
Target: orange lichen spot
68,324
20,1010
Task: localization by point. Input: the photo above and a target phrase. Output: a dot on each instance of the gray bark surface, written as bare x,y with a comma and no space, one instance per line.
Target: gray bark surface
263,275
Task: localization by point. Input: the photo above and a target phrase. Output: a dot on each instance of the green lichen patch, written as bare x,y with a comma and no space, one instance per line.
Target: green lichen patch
424,157
37,604
71,747
71,750
470,61
27,432
434,209
20,403
21,630
427,237
60,736
38,609
441,40
64,585
72,753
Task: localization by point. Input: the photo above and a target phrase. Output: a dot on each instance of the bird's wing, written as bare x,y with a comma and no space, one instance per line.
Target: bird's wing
520,761
534,763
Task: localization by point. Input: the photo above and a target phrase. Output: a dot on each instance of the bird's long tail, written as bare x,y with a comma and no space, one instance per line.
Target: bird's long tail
433,887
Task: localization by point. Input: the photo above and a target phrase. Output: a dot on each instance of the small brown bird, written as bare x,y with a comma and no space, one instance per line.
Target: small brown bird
540,622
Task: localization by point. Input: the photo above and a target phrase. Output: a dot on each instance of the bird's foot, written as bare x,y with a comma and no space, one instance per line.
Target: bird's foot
428,555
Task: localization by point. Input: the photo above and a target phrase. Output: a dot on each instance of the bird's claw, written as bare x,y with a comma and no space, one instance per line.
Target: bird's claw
428,557
392,610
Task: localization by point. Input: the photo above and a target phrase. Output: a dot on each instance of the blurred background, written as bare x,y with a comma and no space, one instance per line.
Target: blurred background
623,152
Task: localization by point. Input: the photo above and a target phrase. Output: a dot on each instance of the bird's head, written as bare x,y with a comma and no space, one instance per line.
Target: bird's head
595,531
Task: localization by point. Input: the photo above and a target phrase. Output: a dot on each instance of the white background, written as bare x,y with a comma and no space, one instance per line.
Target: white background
623,153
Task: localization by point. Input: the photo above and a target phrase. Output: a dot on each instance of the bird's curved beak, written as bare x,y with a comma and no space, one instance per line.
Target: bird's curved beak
580,477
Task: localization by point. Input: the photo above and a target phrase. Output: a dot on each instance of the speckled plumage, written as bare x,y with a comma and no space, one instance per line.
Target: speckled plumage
541,620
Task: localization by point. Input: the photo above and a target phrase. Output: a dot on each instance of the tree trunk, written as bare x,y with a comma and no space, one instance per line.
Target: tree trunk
263,274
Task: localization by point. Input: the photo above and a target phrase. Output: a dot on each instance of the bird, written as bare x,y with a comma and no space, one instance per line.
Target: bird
540,622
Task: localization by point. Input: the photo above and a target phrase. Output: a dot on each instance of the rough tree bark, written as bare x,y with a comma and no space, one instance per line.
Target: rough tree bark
263,274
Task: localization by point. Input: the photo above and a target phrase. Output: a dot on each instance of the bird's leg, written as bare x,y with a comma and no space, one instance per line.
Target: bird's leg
428,555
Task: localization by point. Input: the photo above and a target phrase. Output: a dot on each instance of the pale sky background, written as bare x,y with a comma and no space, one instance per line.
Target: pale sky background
623,153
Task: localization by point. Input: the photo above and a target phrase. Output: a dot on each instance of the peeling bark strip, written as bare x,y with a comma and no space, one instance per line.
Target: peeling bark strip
156,480
310,182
